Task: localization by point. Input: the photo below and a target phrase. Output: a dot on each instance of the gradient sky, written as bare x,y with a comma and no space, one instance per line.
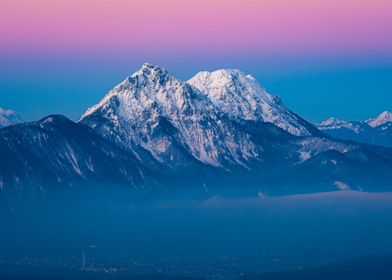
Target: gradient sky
322,57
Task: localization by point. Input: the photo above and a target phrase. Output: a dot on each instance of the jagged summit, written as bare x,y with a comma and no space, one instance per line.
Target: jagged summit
151,87
383,118
150,70
147,65
228,87
241,97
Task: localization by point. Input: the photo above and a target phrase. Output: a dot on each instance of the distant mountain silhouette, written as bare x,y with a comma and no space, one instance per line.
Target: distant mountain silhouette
376,131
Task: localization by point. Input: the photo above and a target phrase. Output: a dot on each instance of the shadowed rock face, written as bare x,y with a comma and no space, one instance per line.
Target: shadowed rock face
58,152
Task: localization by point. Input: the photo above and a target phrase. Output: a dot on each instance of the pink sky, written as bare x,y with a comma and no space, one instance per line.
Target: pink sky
252,26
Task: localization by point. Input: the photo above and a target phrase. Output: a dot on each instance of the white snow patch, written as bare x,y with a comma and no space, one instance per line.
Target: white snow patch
383,118
342,186
8,117
304,156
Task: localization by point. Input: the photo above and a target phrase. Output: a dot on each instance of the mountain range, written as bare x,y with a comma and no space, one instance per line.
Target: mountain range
156,132
376,131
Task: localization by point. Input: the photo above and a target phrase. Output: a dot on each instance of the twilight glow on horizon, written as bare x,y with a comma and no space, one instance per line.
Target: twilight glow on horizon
275,26
272,39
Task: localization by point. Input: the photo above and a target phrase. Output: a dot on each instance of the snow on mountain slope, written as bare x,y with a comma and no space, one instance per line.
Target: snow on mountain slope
313,146
8,117
241,97
154,112
383,118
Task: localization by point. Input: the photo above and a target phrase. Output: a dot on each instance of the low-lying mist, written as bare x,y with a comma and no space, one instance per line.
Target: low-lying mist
198,234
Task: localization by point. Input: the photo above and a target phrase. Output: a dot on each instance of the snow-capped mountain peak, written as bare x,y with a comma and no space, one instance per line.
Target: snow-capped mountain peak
332,122
228,86
151,87
153,111
383,118
8,117
175,121
241,97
